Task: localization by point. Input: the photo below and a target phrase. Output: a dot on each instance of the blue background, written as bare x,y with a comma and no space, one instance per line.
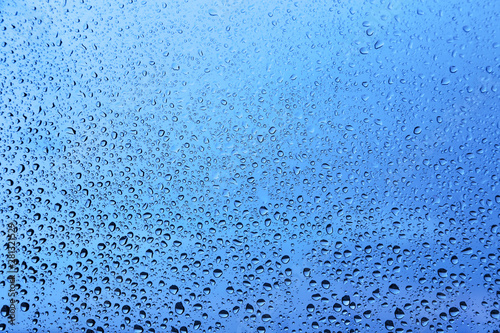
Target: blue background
229,166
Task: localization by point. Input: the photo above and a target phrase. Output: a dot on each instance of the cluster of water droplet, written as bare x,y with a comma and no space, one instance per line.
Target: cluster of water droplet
290,167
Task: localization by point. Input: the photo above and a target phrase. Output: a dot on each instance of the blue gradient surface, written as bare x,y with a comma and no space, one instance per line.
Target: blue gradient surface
250,166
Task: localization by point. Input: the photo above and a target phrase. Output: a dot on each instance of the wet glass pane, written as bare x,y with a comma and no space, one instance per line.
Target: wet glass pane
249,166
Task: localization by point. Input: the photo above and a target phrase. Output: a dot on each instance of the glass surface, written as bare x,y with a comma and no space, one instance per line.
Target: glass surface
249,166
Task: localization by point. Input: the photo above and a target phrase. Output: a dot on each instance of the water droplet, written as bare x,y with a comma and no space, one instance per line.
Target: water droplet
179,308
363,50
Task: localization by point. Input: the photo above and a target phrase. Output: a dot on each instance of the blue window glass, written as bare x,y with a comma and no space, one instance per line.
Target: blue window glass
249,166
